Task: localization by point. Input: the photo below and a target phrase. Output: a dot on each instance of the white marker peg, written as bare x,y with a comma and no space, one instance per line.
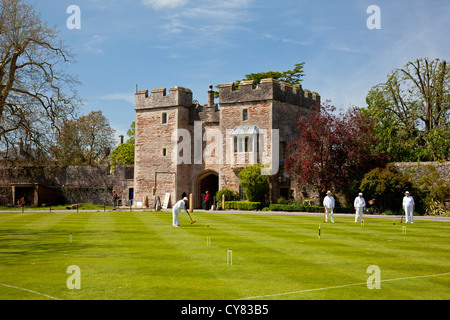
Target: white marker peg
229,257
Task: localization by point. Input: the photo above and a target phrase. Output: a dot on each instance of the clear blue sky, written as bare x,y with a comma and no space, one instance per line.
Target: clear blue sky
194,43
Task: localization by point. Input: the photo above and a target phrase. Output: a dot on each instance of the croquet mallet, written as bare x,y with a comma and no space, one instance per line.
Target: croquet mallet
192,221
401,220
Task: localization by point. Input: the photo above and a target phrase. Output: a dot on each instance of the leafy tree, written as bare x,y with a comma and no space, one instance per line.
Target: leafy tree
124,154
131,133
412,111
84,141
37,94
256,186
293,76
387,186
332,149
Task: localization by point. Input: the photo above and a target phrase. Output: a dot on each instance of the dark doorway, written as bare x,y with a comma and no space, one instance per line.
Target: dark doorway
27,193
130,195
209,183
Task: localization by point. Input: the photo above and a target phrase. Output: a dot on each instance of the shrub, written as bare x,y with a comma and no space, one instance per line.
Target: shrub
230,195
308,202
435,208
286,207
387,186
302,208
256,186
244,205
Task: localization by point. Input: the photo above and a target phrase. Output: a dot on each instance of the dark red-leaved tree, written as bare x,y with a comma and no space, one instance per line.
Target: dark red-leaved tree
332,149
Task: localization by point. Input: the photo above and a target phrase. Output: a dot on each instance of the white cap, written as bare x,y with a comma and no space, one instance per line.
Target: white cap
328,192
407,192
185,199
360,194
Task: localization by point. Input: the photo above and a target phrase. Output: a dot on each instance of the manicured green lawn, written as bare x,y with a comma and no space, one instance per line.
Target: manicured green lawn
139,255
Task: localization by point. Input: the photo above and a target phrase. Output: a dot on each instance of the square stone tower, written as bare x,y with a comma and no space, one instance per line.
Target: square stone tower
183,147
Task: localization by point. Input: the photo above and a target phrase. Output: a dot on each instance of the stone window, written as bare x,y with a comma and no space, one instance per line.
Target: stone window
164,152
129,173
164,118
245,114
246,139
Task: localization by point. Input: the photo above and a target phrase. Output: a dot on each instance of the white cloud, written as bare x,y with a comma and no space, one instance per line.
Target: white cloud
93,44
161,4
126,96
285,40
208,21
344,48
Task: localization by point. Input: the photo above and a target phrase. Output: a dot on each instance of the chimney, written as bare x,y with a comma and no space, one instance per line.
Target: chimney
210,96
120,139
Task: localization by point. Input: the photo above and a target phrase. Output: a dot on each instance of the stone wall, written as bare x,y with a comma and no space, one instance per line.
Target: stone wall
86,184
418,169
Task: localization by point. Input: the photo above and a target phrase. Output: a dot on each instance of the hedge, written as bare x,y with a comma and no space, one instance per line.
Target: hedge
301,208
257,206
245,205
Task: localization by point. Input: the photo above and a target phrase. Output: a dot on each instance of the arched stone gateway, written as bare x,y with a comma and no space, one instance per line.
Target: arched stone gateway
206,181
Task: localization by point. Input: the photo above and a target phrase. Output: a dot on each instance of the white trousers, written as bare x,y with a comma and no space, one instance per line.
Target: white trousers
409,210
175,221
359,213
329,212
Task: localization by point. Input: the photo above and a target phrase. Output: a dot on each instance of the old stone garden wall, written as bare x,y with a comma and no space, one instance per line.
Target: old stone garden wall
86,184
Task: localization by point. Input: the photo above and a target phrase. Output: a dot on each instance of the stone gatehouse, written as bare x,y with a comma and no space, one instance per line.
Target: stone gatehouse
183,147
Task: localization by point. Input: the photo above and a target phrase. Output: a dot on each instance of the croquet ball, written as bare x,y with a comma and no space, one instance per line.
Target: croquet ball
394,223
207,225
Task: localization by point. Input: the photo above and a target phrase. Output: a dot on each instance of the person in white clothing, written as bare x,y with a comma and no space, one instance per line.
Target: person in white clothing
359,205
408,206
328,203
176,210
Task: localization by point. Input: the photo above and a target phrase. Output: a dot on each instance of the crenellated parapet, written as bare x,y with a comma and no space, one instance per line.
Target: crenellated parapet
268,89
158,98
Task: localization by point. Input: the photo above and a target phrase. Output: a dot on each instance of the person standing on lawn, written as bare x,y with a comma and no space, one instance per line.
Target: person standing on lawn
359,205
408,206
176,210
207,201
115,197
328,203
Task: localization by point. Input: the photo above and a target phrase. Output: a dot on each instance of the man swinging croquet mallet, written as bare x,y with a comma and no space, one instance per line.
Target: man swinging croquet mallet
176,210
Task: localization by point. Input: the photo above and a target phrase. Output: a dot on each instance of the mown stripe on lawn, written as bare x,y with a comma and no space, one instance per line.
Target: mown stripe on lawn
33,249
342,286
189,267
356,255
291,258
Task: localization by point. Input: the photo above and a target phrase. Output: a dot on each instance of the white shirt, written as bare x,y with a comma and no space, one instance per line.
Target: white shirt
179,205
359,202
328,202
408,201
